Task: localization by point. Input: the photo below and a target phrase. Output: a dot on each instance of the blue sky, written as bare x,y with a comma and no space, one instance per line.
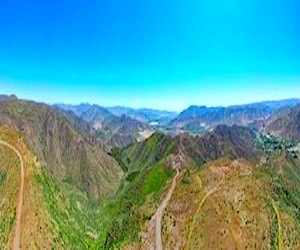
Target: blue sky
160,54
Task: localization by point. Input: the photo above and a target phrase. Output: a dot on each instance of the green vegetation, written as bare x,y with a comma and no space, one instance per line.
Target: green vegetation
273,230
117,154
73,215
270,143
125,211
9,183
2,176
149,152
81,223
155,180
282,172
63,149
131,177
6,224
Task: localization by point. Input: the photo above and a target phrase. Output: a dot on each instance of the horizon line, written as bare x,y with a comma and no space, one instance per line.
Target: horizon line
150,108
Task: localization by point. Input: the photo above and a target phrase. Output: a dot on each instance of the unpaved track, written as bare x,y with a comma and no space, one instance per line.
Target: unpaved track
209,193
198,211
17,235
155,223
160,211
280,240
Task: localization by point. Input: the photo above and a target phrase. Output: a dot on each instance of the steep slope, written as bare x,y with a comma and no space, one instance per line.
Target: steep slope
150,151
285,123
35,224
228,201
78,123
110,130
152,165
95,115
54,214
61,149
122,131
235,204
233,142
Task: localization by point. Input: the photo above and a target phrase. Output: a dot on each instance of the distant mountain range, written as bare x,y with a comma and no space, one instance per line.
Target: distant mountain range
113,130
144,115
120,126
159,117
202,118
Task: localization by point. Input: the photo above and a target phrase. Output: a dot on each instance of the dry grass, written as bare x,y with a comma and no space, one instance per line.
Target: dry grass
9,168
226,205
35,230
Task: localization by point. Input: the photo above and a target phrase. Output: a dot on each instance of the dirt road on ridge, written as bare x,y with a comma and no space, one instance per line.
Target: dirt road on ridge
160,211
17,234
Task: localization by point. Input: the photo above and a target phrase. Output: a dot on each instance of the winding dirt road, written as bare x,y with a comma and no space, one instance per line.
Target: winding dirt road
154,226
160,211
198,211
17,235
280,239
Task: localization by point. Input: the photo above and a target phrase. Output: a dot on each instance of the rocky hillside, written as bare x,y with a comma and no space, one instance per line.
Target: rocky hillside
285,123
228,188
35,220
235,203
224,141
121,131
110,130
62,150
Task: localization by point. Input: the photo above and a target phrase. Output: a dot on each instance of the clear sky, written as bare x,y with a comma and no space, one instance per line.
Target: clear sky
150,53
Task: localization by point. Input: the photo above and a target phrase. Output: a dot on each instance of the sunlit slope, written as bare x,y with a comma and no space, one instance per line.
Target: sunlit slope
285,123
54,214
63,150
9,183
35,221
149,167
232,192
234,204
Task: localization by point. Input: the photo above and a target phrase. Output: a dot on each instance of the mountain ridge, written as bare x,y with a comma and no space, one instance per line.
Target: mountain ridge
63,151
202,117
284,123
